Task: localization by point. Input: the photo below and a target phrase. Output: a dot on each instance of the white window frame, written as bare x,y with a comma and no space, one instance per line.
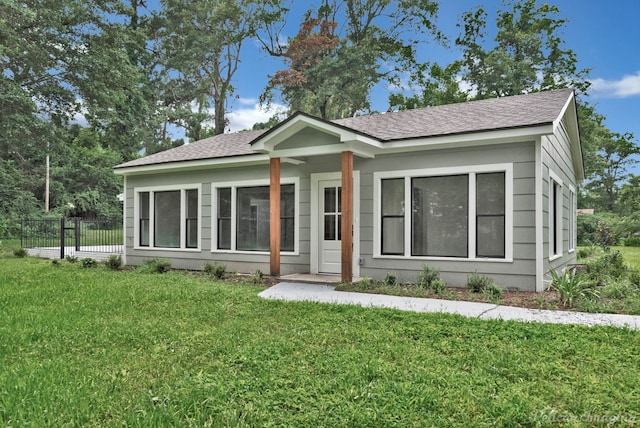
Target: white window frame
235,185
183,214
555,218
471,171
573,225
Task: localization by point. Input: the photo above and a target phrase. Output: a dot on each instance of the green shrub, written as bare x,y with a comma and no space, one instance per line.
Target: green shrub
494,292
619,289
114,262
604,236
478,283
390,279
610,265
216,270
583,253
55,262
588,225
570,287
587,251
71,259
631,242
88,263
365,283
20,253
427,276
634,278
156,266
256,277
437,286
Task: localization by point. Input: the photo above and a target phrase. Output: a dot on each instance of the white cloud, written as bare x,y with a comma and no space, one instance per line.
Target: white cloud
628,86
251,112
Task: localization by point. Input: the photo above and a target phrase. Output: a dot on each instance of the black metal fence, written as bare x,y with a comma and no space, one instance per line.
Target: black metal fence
73,235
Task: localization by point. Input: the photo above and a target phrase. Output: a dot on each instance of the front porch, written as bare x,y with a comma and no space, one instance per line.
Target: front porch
346,223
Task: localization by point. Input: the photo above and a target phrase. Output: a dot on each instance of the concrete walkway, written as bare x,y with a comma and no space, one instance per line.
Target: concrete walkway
293,291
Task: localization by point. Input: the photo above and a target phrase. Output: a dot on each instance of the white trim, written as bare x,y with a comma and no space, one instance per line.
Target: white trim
471,219
124,223
407,219
557,215
234,185
471,171
193,165
572,219
361,145
539,232
468,139
183,208
306,152
314,215
270,141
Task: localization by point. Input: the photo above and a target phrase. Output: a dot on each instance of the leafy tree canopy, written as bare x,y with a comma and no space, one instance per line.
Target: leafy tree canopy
343,49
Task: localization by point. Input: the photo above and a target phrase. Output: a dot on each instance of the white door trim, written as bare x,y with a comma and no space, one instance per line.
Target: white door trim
315,230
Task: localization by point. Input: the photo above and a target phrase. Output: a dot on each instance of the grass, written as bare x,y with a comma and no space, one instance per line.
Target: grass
631,255
95,347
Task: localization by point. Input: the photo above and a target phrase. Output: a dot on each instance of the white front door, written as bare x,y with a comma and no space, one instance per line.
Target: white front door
326,217
329,227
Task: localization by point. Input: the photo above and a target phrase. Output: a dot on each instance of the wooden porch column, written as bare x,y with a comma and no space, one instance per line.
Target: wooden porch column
274,216
347,217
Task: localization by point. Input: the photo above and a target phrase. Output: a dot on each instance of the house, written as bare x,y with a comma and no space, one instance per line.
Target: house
486,186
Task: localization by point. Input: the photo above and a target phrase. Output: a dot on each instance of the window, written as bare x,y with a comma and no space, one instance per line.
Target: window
490,215
440,216
192,218
224,218
555,216
144,223
393,216
168,218
572,219
243,218
464,212
332,215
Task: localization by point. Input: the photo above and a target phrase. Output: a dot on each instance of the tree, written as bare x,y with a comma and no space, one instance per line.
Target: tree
628,202
607,157
270,123
201,43
438,86
614,155
61,62
528,54
330,72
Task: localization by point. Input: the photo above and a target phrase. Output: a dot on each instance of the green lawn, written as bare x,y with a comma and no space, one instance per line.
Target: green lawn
631,255
92,347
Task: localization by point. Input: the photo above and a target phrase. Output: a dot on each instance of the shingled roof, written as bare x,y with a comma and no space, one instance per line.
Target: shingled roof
518,111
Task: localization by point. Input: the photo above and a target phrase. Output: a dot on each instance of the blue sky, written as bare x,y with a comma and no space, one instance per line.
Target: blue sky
604,35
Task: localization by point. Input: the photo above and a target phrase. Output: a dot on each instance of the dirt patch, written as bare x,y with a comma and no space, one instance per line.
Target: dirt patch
524,299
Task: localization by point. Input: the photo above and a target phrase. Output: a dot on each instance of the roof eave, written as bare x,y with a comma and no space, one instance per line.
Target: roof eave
267,142
223,162
472,138
570,113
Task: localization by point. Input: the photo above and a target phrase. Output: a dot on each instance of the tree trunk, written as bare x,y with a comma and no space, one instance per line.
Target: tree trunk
219,114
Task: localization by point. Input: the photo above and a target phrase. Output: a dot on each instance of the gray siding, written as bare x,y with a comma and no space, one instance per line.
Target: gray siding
556,157
518,273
